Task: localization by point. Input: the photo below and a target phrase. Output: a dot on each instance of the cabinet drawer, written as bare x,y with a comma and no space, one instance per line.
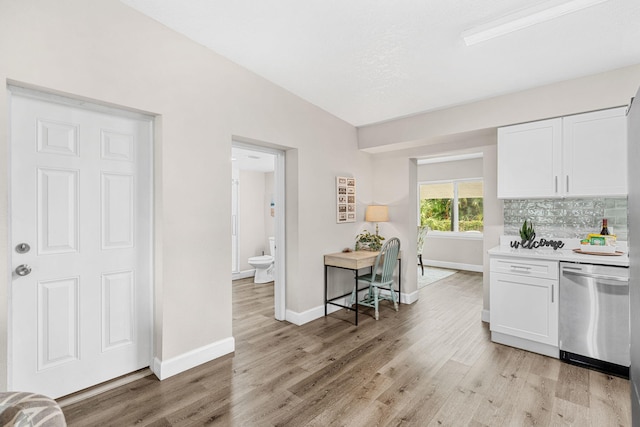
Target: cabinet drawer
543,269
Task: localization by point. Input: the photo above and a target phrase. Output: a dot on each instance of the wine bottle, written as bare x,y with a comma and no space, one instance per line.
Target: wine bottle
605,229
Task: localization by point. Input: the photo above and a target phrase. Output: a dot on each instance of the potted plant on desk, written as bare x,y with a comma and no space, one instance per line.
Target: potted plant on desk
366,241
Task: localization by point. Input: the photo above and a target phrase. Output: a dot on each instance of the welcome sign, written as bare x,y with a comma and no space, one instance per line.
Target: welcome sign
533,244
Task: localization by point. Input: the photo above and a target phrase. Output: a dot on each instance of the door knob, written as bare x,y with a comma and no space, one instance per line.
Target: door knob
23,270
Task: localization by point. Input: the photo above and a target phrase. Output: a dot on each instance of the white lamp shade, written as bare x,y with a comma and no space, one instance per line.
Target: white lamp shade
376,213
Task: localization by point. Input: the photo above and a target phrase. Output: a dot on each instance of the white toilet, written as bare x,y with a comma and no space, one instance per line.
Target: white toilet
264,264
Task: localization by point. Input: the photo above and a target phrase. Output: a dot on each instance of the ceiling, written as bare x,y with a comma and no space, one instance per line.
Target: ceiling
367,61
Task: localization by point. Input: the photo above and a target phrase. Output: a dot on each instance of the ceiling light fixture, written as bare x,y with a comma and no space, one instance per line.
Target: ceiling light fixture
524,18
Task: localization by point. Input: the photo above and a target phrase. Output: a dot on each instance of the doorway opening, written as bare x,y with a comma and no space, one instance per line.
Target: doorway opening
257,218
449,210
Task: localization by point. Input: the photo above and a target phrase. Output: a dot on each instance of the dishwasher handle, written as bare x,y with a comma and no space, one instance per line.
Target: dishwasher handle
598,276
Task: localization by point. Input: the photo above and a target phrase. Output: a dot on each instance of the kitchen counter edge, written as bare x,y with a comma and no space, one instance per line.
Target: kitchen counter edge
561,255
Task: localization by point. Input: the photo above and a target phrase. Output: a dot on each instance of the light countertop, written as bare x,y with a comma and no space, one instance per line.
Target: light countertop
565,253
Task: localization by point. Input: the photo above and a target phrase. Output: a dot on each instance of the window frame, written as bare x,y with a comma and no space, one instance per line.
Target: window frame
456,234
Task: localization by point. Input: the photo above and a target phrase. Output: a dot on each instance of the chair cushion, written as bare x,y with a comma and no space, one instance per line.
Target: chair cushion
30,409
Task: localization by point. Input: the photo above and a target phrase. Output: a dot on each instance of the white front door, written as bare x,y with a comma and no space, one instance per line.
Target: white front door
80,297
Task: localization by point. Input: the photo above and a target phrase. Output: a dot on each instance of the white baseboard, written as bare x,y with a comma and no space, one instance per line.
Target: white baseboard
404,298
409,298
300,319
318,312
453,265
164,369
243,274
485,316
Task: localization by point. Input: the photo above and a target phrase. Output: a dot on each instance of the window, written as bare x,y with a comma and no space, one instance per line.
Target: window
452,206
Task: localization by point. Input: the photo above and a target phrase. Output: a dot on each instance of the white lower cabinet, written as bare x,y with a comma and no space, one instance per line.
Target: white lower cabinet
524,304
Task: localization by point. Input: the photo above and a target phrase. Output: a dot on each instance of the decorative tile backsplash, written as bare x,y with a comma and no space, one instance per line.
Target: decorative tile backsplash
568,218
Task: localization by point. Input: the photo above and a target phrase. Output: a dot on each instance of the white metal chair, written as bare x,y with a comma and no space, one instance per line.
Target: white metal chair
381,277
422,237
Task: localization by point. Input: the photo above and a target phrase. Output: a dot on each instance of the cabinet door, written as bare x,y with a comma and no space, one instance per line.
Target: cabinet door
525,307
595,153
529,159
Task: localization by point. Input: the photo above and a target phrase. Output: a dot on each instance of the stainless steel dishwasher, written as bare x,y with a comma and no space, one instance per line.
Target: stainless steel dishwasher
594,317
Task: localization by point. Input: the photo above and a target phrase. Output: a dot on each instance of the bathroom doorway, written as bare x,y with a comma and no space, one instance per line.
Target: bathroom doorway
257,211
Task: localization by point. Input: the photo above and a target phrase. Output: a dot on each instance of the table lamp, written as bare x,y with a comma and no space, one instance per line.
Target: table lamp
376,213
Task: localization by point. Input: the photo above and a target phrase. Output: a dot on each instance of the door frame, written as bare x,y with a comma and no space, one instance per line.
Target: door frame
235,222
279,289
14,89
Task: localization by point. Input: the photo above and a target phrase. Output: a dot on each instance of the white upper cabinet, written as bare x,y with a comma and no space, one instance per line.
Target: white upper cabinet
529,159
574,156
594,155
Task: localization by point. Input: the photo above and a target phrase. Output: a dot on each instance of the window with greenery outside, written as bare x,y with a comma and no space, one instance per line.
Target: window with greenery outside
452,206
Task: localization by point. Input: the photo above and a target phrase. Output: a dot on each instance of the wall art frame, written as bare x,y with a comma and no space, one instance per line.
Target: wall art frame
345,199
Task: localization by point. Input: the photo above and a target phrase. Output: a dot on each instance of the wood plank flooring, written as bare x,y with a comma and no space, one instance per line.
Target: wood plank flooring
430,364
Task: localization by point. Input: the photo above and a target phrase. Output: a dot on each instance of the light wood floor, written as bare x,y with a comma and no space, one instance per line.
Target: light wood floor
430,364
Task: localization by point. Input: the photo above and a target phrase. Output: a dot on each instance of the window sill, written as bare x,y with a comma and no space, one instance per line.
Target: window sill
464,235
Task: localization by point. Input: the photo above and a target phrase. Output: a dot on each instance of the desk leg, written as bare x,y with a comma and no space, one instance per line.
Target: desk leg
355,273
325,291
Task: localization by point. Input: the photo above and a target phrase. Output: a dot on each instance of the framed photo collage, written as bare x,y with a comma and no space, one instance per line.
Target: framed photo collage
345,199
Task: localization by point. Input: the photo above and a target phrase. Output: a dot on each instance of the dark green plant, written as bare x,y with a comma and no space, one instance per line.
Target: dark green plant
527,232
368,241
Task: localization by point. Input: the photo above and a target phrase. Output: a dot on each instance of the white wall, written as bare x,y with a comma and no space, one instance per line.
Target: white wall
453,252
104,51
395,167
493,217
269,196
252,226
595,92
395,186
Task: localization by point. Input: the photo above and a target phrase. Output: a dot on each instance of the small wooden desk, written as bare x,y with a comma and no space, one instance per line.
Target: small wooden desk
353,261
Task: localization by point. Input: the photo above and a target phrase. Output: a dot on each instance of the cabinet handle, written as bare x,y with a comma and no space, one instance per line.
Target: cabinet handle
556,183
552,292
567,183
521,267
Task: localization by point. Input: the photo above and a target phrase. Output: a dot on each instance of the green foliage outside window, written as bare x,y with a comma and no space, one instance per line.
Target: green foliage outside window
436,213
